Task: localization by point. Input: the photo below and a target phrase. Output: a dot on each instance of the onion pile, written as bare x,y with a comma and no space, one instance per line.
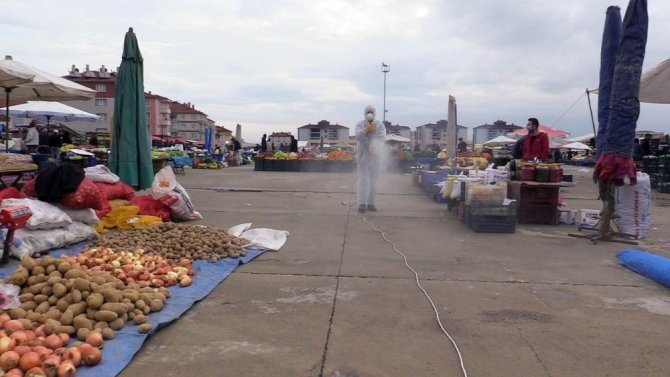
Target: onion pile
145,269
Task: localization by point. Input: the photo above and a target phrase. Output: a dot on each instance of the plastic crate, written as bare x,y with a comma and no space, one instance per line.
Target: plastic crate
492,224
258,164
480,209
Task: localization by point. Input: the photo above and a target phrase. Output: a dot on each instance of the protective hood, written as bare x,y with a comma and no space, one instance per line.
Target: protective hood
368,109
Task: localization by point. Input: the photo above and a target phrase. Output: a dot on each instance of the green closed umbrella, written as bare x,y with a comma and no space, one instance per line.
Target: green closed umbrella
130,156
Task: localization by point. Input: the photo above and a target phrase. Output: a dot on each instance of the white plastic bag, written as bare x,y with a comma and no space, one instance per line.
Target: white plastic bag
101,173
265,238
45,215
166,189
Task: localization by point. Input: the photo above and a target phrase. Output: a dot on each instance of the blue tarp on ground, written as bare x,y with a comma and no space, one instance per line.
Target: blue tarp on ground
118,353
654,267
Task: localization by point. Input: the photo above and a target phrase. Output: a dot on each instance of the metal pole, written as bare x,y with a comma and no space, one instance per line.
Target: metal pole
384,117
385,69
593,122
7,119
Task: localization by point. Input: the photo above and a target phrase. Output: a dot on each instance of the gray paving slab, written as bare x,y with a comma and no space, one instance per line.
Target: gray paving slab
251,325
533,303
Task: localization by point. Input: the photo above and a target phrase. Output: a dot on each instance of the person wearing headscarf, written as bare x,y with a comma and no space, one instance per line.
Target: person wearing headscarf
371,136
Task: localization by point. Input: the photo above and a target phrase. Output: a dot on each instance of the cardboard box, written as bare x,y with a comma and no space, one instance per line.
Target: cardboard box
567,217
588,218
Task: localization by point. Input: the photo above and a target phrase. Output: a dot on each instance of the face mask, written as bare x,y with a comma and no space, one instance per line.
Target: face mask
370,117
529,128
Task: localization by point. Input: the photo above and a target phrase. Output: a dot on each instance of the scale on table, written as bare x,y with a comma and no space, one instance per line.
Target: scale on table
12,218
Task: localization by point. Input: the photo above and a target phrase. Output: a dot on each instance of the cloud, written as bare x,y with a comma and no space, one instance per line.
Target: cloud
285,63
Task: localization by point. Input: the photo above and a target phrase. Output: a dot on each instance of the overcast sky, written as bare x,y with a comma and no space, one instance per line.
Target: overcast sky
277,65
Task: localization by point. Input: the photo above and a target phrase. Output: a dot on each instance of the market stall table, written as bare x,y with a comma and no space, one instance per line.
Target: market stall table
17,173
538,201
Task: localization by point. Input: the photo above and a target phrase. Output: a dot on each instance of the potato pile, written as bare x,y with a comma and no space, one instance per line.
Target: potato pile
176,241
65,298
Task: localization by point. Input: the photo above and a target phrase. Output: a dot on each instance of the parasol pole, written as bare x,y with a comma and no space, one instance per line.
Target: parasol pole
7,90
593,122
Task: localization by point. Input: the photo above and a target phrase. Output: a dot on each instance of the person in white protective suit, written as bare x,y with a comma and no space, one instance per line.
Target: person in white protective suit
371,136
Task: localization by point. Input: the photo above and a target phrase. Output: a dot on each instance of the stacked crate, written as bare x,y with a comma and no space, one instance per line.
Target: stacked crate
491,218
662,175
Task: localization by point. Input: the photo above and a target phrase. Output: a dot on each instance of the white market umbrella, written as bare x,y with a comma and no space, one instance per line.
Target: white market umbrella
576,145
44,87
11,77
500,140
397,138
50,111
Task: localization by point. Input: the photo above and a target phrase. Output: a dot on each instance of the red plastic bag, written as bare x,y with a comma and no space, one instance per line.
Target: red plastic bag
87,196
29,189
105,208
152,207
118,190
11,193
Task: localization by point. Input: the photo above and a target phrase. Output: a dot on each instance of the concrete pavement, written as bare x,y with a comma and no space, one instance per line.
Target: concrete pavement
338,301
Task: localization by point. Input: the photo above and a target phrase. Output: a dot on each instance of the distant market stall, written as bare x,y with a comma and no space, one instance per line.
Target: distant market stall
308,161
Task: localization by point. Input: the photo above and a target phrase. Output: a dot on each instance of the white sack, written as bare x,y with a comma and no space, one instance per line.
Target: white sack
33,242
45,215
633,207
86,216
101,173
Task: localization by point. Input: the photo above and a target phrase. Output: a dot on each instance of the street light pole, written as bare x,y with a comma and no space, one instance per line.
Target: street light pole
386,68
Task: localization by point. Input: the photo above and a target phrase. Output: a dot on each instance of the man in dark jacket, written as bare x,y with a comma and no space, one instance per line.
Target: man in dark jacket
237,150
517,149
55,142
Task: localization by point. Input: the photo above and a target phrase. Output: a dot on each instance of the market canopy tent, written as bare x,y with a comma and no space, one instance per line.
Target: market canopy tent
655,84
550,131
582,138
397,138
43,86
576,145
50,111
500,140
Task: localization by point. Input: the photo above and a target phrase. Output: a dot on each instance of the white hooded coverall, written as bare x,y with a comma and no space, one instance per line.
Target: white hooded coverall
368,157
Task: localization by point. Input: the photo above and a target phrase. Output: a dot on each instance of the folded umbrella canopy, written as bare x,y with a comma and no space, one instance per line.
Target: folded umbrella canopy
43,86
130,156
608,54
615,162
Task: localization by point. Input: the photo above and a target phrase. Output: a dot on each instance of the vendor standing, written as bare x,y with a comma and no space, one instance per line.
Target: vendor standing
32,138
55,142
536,144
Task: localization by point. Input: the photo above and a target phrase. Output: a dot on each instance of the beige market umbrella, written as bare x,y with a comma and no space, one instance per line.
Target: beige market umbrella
43,87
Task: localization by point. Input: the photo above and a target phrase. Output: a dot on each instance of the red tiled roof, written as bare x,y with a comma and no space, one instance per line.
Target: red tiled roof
280,134
149,95
182,108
